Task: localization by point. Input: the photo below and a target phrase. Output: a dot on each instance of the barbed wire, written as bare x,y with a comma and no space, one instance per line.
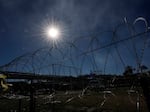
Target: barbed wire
84,53
72,60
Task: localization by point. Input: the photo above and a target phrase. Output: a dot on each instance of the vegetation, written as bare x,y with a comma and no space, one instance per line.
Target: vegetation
117,101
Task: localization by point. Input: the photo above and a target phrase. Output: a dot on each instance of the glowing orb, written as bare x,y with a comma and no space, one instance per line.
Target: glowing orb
53,32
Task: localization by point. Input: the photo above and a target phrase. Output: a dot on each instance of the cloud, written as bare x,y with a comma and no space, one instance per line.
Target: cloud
88,15
78,15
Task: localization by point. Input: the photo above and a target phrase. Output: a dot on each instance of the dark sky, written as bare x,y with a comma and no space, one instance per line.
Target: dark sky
21,21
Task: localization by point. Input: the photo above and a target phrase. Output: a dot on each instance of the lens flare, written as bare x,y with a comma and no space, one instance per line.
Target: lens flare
53,32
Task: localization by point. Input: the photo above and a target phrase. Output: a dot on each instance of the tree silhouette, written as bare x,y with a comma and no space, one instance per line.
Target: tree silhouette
143,68
128,71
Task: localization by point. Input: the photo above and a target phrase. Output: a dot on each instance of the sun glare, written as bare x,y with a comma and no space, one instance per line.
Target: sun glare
53,32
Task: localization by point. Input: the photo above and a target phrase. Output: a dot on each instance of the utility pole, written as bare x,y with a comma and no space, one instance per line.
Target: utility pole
32,99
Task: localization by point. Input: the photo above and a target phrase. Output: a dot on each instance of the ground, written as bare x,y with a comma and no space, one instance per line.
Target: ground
114,100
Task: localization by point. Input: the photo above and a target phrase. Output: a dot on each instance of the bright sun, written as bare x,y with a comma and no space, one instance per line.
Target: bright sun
53,32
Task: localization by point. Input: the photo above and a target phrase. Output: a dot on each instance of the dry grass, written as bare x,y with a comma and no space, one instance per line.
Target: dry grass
91,102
